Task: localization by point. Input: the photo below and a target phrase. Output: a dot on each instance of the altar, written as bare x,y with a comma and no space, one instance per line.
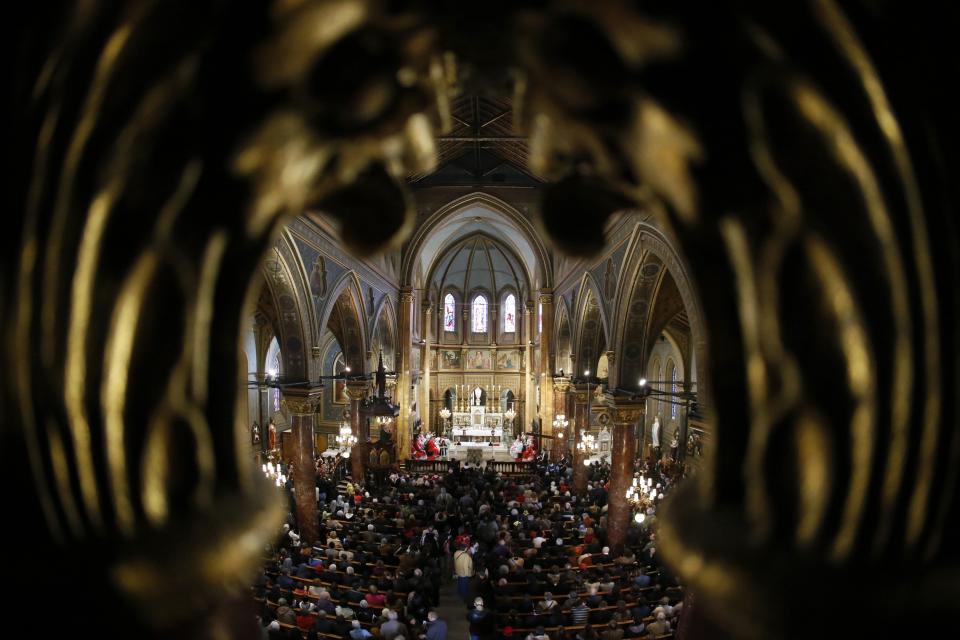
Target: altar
478,430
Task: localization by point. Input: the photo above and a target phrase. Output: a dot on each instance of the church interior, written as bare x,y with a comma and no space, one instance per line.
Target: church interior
346,319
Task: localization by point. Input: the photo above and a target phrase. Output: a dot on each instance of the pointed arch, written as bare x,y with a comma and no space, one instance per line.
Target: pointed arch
564,337
344,315
523,236
289,322
656,273
592,335
383,333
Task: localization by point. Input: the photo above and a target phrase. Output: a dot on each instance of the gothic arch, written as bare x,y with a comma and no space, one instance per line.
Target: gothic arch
589,291
289,324
592,334
343,314
541,273
651,258
384,320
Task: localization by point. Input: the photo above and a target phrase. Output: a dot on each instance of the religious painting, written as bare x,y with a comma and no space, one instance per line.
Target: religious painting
509,360
318,278
340,392
479,359
450,359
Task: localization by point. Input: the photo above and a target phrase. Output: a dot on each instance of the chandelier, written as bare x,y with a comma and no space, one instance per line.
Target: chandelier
560,423
510,414
273,473
587,444
345,439
445,413
643,494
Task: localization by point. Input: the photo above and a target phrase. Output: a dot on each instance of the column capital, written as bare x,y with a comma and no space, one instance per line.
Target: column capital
626,410
546,296
302,402
357,389
561,383
406,294
581,394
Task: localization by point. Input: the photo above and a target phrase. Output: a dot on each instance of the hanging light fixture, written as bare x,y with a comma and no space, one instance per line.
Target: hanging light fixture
587,444
510,414
560,423
345,439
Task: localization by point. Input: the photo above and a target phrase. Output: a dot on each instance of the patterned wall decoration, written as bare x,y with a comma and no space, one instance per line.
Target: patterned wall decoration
633,358
293,349
322,271
607,276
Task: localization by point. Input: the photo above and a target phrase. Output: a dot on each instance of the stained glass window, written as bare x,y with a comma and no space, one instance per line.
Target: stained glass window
478,319
510,314
449,314
540,317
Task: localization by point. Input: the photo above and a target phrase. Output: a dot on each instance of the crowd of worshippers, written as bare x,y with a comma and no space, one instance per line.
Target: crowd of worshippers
529,559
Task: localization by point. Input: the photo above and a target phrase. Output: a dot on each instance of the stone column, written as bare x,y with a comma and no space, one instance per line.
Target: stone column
405,330
530,392
426,410
624,415
561,389
546,363
263,404
357,390
579,470
302,404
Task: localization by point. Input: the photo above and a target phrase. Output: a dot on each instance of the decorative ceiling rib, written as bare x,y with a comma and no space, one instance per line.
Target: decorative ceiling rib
482,139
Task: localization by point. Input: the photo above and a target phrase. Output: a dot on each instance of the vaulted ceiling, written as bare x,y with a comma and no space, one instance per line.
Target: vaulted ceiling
482,146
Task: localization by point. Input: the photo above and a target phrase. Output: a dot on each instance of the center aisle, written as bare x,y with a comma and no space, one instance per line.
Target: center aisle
453,611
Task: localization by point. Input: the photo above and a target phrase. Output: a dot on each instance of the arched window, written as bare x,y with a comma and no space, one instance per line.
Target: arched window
478,320
673,380
449,314
510,314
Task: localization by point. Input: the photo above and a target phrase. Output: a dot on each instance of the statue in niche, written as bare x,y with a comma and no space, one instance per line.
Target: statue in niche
609,284
318,278
476,397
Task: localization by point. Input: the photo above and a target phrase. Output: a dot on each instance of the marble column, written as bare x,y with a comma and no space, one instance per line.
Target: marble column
546,362
580,426
302,405
402,398
358,425
561,389
424,406
624,414
530,391
263,405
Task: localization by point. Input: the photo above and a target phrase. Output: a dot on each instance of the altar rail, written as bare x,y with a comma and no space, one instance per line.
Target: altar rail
443,466
430,466
512,468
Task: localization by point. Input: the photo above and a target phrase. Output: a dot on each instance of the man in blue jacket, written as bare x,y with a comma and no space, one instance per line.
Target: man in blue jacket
436,628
